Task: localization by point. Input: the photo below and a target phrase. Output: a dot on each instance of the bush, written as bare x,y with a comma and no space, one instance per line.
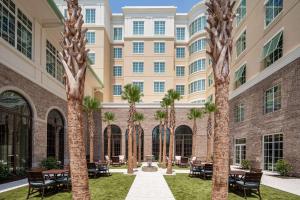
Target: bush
245,164
4,170
50,163
283,167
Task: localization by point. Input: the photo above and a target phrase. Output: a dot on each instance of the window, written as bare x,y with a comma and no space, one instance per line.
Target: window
197,86
159,27
240,150
159,67
159,86
180,89
7,21
180,33
240,76
117,90
159,47
198,65
273,99
239,113
53,65
210,80
180,52
138,47
199,45
273,50
24,35
118,34
90,36
241,44
90,16
241,12
197,25
92,58
180,71
138,28
139,84
200,101
117,71
118,53
272,9
273,150
138,67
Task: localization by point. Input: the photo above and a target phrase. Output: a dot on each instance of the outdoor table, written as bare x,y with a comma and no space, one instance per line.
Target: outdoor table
55,172
235,174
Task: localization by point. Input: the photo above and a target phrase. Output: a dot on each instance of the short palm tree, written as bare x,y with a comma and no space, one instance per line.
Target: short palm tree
133,95
165,104
173,95
139,118
160,116
209,109
194,114
109,118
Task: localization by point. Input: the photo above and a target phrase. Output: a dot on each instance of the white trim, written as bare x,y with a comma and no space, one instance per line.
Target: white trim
240,34
149,105
280,30
237,69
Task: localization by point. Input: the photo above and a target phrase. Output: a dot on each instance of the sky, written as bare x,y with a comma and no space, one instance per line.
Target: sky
182,5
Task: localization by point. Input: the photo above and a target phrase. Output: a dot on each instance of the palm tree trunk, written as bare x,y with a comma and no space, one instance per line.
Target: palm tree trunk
172,127
134,159
209,136
109,141
194,138
92,134
130,133
140,143
221,143
79,174
165,139
160,140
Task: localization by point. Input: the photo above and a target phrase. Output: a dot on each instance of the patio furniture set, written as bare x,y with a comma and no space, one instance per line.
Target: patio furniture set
96,169
116,161
201,169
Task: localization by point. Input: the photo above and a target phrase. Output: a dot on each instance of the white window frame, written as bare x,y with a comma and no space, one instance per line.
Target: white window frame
159,81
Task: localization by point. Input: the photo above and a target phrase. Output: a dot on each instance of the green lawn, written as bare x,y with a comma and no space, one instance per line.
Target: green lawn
185,188
114,187
175,167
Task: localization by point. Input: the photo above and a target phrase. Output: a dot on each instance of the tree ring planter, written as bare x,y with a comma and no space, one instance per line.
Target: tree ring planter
149,169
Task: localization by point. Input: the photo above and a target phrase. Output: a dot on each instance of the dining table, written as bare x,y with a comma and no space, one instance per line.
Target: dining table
54,173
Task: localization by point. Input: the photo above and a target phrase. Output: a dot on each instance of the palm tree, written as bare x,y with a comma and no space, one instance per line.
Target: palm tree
173,95
209,109
74,60
90,105
133,95
139,117
166,102
194,114
109,118
160,116
220,26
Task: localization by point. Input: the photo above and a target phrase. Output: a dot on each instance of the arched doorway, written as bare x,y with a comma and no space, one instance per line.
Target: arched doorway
55,135
183,141
15,131
155,141
137,143
116,140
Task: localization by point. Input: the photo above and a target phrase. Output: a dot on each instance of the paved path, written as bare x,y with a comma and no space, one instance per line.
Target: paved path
149,185
13,185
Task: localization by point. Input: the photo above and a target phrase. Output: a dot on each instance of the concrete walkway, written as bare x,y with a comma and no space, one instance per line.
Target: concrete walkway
149,185
13,185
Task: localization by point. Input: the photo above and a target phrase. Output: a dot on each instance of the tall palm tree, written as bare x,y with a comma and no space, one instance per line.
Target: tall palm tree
139,117
74,59
133,95
109,118
194,114
209,109
166,102
173,95
90,105
220,26
160,116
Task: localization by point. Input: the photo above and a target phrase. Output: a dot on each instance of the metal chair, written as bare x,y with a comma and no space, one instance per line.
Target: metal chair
207,171
251,181
38,183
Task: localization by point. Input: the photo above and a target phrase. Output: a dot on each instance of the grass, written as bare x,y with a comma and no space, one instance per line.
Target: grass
174,167
121,167
185,188
114,187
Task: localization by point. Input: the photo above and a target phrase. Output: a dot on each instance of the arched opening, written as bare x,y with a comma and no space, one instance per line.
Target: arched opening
55,135
137,143
183,141
116,141
15,131
155,141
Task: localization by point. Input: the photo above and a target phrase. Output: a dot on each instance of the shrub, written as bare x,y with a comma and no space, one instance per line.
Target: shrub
283,167
4,170
50,163
245,164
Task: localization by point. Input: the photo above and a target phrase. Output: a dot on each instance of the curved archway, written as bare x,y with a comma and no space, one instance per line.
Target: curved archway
183,141
116,140
155,141
137,143
15,131
56,135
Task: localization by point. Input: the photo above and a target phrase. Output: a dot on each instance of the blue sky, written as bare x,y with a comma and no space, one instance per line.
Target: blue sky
182,5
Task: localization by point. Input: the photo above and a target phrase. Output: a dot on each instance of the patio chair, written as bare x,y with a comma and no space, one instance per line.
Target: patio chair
251,182
65,179
195,168
38,183
177,160
207,170
122,159
184,162
92,170
103,168
115,161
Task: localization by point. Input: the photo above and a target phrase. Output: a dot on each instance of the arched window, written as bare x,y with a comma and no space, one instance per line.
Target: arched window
116,140
183,141
55,135
137,143
155,141
15,131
